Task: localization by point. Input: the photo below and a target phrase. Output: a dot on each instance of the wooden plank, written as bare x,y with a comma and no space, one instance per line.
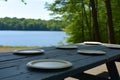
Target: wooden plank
10,57
16,68
112,54
53,54
16,62
5,53
79,66
25,60
21,64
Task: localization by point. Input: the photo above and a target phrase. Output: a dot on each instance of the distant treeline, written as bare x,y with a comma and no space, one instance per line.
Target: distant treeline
30,24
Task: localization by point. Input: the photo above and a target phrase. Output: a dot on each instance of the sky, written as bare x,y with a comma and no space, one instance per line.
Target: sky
34,9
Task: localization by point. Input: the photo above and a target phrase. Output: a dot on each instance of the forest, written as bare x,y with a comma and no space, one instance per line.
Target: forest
89,20
30,24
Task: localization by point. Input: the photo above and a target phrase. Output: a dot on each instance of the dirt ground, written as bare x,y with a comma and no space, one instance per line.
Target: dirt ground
11,49
95,71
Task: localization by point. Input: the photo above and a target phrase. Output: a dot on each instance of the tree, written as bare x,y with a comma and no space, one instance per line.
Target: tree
110,22
30,24
77,15
116,19
95,21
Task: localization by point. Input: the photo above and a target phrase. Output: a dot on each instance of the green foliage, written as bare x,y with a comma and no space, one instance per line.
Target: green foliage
76,14
116,18
30,24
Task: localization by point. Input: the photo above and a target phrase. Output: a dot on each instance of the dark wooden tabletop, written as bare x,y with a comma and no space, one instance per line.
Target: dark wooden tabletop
13,67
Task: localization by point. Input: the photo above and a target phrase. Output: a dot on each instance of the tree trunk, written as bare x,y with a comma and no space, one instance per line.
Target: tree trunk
95,21
109,22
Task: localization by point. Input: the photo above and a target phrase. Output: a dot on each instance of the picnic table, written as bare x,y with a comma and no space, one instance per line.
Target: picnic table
13,67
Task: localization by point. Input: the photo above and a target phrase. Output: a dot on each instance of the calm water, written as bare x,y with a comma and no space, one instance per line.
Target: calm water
31,38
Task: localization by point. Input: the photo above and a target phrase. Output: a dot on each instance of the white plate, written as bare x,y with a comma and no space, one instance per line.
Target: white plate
92,43
91,51
67,47
114,46
49,64
28,51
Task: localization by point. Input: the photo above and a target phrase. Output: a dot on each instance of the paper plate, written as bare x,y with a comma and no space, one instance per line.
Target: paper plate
92,43
28,51
93,52
67,47
49,64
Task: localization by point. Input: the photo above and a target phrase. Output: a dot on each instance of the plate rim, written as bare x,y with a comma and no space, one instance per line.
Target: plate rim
22,51
113,46
92,43
67,47
82,52
30,64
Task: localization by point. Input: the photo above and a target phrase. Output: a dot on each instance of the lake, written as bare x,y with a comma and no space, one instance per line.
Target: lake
32,38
